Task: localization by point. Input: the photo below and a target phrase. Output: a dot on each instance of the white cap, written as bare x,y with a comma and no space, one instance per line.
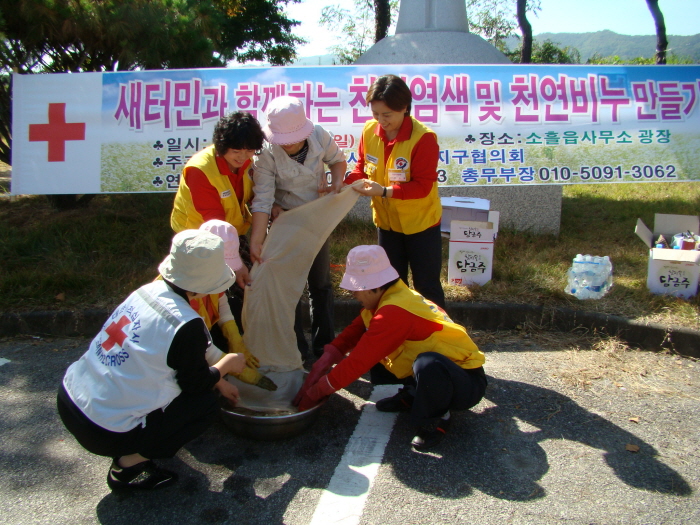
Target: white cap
367,267
196,263
230,237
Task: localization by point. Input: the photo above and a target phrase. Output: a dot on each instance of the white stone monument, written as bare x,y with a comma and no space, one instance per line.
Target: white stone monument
437,32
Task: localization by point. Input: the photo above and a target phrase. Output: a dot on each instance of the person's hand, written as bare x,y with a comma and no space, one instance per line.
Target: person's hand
334,187
256,252
231,364
315,394
370,188
229,391
331,356
243,276
253,377
236,345
275,212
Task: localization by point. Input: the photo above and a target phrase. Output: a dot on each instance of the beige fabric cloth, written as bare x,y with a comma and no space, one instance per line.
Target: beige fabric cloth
292,244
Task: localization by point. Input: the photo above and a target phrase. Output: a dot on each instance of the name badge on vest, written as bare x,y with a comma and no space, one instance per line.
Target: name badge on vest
372,159
397,175
225,194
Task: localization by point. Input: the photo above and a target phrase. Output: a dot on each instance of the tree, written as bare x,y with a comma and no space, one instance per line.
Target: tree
495,20
615,60
382,19
359,28
661,41
526,30
44,36
547,52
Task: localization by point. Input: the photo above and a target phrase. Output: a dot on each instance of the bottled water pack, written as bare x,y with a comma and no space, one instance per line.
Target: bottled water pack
590,277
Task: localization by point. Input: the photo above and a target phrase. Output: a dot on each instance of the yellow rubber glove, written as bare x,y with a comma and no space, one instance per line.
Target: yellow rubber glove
235,344
253,377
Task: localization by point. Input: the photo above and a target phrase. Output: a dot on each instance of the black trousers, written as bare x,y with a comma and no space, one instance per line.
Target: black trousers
321,305
422,252
440,385
166,430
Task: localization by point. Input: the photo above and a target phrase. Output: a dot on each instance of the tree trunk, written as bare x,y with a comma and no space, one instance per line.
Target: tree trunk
661,41
526,30
382,19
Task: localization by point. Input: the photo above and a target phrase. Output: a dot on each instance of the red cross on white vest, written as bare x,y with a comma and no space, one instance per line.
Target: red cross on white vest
115,333
57,132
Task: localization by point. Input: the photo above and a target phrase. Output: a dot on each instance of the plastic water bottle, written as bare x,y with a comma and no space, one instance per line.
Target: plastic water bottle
590,277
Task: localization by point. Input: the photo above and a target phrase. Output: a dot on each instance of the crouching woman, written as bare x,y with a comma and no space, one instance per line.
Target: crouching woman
400,338
144,389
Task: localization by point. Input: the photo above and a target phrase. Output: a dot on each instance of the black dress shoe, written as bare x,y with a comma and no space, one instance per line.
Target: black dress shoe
429,436
142,476
400,402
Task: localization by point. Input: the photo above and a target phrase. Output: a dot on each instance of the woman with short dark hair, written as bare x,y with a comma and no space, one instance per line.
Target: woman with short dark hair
398,156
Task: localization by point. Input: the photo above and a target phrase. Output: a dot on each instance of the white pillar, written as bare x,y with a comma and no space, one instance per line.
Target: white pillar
432,15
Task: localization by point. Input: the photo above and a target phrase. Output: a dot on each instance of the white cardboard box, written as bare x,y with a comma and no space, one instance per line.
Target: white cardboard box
463,209
671,272
471,251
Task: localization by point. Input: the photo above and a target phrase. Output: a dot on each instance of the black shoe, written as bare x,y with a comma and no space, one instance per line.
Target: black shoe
142,476
401,402
429,436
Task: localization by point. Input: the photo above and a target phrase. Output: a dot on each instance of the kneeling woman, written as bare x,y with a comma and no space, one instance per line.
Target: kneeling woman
144,388
401,338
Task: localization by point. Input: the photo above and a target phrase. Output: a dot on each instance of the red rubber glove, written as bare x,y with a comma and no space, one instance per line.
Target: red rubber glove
315,394
331,356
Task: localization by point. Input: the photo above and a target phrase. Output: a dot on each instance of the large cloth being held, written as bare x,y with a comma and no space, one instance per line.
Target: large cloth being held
295,239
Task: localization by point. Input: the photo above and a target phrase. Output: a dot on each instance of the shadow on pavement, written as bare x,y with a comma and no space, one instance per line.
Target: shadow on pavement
490,452
226,478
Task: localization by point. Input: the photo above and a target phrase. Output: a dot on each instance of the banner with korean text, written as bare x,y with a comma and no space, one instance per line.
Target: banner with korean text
496,125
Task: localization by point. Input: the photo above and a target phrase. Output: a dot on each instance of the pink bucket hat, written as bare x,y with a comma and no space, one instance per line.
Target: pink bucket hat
366,268
287,122
229,235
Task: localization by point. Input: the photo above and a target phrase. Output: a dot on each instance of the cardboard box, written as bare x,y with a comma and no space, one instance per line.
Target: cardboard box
471,251
671,272
463,209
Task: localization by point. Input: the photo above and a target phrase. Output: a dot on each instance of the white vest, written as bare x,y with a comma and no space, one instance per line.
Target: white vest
125,375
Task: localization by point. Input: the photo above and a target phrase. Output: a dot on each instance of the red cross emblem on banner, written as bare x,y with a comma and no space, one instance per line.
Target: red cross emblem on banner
57,132
115,333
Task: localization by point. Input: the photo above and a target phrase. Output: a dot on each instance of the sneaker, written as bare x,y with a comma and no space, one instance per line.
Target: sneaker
142,476
401,402
430,435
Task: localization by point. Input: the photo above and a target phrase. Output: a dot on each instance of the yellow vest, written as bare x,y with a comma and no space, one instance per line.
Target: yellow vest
208,308
404,216
452,341
185,216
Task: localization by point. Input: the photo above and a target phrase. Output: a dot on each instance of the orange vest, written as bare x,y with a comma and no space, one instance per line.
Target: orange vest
208,308
452,341
404,216
185,216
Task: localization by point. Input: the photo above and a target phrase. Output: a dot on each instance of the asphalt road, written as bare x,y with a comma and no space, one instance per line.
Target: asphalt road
542,448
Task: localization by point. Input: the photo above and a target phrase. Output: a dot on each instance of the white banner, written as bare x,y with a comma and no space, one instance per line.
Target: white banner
496,125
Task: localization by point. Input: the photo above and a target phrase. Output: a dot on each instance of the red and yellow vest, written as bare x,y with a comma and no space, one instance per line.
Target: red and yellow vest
452,341
208,308
185,216
404,216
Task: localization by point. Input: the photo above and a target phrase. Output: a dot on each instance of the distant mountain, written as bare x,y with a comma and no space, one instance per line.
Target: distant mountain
608,43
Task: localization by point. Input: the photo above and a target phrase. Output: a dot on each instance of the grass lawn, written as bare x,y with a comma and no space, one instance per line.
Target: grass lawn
94,256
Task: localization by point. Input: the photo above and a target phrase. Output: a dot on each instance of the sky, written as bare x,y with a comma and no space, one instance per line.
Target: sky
626,17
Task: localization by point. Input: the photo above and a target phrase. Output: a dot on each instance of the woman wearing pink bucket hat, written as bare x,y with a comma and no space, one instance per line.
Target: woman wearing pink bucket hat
400,338
291,171
397,156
